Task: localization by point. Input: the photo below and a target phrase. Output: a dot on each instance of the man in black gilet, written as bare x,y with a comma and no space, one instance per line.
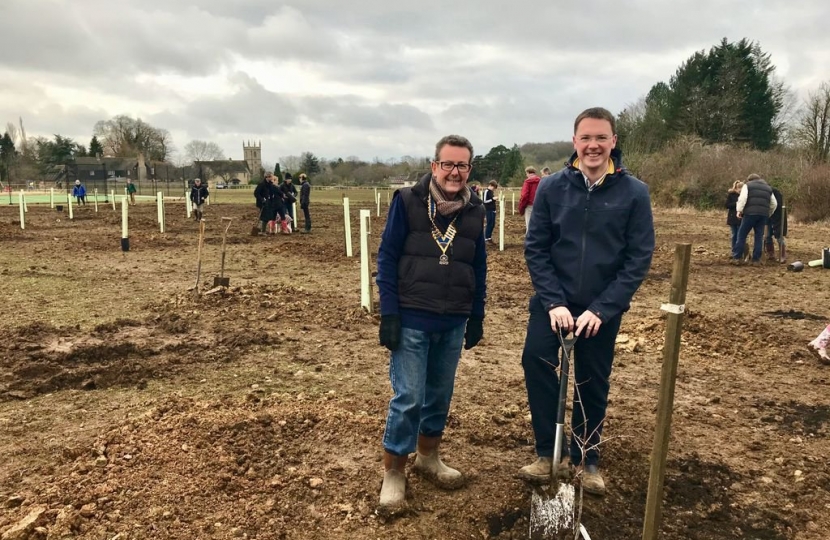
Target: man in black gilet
756,204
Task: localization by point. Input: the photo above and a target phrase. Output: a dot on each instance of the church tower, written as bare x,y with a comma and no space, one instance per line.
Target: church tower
252,152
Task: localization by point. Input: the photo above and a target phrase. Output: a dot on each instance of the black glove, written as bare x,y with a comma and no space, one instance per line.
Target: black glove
474,333
390,331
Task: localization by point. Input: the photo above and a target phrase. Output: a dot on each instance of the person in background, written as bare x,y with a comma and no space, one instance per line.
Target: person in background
545,172
777,228
489,200
289,196
131,192
79,192
198,196
432,279
732,219
585,262
755,205
305,196
269,201
528,195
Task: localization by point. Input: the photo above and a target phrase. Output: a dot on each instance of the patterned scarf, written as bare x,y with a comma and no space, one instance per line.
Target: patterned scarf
445,207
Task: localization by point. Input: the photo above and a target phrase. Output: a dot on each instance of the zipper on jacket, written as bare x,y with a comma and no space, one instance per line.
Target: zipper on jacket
584,240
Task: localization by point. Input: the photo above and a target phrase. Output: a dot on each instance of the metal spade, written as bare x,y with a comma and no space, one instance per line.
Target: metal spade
552,509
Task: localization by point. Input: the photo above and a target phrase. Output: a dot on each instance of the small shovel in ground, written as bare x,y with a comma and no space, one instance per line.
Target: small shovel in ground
552,511
221,280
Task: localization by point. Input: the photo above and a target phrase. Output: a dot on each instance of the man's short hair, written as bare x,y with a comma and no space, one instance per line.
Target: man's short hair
752,176
530,170
493,183
546,170
453,140
597,113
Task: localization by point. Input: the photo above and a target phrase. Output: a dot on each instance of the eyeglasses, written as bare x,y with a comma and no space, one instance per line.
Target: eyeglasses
449,166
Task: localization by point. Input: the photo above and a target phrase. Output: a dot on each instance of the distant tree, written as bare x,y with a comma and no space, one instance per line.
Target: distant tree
124,136
727,95
309,163
277,171
81,151
513,168
8,156
642,127
197,150
812,128
95,148
290,163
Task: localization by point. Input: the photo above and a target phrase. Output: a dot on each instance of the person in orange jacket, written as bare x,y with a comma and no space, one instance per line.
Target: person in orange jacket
528,194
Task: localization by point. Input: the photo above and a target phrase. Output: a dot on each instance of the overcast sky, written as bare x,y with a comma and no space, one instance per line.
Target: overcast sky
369,78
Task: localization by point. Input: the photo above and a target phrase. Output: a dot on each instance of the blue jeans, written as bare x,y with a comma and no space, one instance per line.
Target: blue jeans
592,360
734,229
491,224
754,223
422,373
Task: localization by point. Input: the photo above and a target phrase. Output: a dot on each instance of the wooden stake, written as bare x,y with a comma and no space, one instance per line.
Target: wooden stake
665,402
348,226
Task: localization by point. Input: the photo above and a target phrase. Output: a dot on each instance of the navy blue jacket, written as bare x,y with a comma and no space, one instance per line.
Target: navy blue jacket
590,250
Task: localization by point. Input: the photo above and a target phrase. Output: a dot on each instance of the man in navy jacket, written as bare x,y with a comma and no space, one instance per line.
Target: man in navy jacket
588,249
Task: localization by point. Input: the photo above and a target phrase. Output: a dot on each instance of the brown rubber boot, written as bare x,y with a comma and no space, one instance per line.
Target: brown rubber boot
538,472
430,466
393,491
592,481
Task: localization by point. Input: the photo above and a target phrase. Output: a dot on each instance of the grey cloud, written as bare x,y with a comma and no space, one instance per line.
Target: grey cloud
357,113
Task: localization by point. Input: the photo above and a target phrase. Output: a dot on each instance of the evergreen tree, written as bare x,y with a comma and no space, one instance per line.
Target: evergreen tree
7,156
95,147
309,163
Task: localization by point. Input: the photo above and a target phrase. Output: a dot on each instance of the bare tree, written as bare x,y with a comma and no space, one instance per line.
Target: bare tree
124,136
197,150
812,129
290,163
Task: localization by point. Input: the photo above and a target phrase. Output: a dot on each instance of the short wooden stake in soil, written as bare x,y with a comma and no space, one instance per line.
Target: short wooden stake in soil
377,201
501,222
188,204
22,211
665,402
112,196
96,200
51,197
365,272
69,203
125,233
513,203
348,226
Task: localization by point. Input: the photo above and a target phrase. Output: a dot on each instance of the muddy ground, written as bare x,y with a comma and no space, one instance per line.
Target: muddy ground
131,408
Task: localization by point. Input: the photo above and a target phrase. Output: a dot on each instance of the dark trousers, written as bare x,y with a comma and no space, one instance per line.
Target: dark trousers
491,224
748,223
306,217
591,363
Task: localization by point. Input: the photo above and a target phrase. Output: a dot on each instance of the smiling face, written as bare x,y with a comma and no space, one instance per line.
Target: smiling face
593,141
453,180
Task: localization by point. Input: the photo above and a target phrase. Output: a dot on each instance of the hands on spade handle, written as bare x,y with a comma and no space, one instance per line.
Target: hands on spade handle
560,317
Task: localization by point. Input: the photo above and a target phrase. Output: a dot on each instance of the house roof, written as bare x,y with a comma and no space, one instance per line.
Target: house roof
224,165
